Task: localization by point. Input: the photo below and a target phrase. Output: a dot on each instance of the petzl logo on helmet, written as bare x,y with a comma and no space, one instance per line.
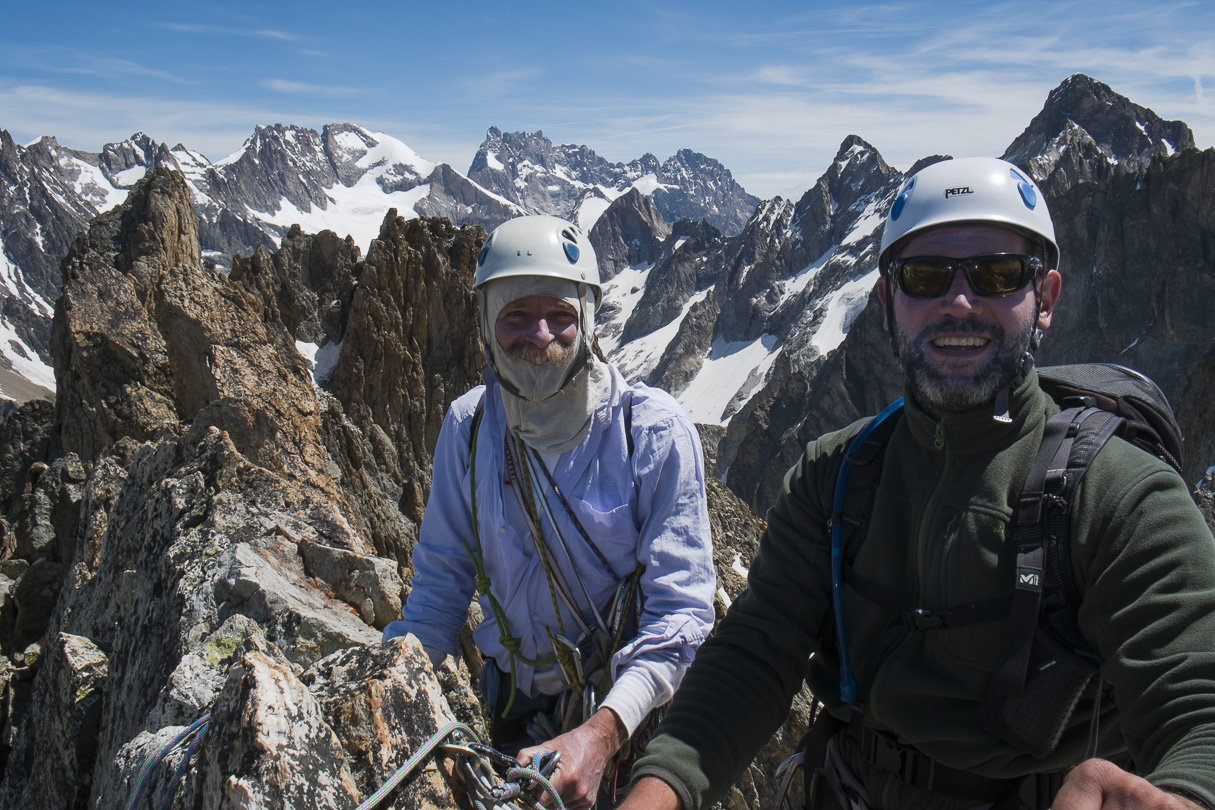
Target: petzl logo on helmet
954,192
901,200
1028,195
571,252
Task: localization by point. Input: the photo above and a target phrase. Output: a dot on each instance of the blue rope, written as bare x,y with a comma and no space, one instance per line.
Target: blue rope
144,779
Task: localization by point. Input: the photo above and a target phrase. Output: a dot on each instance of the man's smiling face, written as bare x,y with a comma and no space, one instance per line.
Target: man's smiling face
960,348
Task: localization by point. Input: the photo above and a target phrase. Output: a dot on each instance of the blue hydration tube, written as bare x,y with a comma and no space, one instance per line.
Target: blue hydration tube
847,683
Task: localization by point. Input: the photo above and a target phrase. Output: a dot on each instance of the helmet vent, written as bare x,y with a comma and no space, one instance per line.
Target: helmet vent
1028,195
571,252
901,200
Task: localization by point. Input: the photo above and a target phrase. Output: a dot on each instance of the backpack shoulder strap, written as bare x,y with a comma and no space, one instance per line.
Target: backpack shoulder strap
866,450
1042,534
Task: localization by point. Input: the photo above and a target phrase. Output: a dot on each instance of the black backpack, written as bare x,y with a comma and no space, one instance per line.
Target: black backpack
1045,664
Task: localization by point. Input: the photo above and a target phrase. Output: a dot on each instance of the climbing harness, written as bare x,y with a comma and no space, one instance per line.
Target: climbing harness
191,736
582,660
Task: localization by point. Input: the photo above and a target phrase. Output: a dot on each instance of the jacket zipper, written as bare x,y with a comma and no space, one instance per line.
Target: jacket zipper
938,442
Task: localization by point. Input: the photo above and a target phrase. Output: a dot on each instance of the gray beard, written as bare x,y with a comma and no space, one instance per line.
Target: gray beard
940,393
552,354
537,373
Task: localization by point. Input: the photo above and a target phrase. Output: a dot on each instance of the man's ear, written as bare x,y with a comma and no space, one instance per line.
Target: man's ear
1048,296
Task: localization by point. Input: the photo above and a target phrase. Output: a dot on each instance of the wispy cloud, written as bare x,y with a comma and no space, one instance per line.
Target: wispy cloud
779,75
88,121
222,30
497,82
770,88
60,60
302,88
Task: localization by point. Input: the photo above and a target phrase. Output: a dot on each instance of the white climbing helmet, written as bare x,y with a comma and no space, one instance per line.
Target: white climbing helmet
980,191
539,246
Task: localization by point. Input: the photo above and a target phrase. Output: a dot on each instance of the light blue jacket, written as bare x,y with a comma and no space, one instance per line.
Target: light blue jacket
646,507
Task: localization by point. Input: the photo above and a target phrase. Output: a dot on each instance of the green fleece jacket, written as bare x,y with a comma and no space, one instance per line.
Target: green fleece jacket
938,539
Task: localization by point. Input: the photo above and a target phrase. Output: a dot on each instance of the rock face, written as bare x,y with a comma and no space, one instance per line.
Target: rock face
203,536
202,550
1088,133
630,232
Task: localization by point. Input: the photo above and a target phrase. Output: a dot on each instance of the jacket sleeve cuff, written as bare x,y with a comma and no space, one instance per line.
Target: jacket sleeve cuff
654,772
631,698
1189,791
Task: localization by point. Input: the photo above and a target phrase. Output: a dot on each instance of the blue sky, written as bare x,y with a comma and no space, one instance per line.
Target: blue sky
768,88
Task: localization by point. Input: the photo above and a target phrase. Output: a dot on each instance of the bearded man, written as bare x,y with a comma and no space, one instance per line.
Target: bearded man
575,503
905,646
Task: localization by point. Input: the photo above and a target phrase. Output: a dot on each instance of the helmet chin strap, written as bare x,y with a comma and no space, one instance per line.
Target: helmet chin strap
1000,406
894,340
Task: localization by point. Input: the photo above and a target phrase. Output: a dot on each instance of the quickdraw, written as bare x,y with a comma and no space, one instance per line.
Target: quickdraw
520,783
476,762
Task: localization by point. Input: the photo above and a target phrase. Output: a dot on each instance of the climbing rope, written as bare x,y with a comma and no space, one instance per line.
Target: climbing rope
193,733
784,777
508,640
476,763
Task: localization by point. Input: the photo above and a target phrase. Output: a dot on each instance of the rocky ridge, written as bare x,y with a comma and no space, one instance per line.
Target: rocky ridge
205,528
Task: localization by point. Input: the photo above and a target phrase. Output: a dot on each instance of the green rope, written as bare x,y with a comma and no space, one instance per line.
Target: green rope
508,640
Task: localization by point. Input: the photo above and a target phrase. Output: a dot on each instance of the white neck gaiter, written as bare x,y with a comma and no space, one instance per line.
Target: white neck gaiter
548,409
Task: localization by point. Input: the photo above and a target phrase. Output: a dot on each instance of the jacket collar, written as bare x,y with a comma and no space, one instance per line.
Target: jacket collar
977,431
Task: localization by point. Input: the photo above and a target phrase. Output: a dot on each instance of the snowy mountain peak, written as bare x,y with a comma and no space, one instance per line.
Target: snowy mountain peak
1089,115
855,162
530,171
125,162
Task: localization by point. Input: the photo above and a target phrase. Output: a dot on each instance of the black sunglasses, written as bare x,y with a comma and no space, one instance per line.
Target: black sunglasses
994,274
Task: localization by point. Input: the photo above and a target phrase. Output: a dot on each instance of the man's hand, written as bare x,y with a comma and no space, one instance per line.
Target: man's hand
585,752
1101,785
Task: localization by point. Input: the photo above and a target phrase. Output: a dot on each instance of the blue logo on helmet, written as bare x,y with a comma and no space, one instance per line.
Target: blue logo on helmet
897,209
571,252
1028,195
